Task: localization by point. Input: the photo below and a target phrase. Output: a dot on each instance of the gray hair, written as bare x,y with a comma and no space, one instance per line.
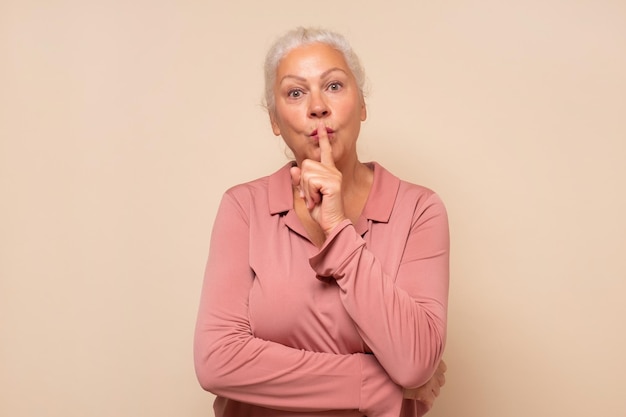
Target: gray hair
304,36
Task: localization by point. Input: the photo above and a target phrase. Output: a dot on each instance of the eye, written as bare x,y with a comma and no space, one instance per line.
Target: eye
335,86
295,93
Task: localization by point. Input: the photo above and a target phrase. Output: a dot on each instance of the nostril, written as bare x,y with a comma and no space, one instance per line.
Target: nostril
319,113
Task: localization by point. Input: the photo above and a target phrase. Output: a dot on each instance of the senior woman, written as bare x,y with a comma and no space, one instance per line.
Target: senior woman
325,291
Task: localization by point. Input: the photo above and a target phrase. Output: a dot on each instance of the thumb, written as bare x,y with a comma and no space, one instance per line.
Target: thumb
295,175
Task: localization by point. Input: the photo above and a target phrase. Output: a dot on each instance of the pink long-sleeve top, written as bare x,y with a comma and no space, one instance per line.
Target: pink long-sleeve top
289,329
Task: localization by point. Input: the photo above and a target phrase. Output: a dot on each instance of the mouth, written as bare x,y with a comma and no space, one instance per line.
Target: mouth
329,131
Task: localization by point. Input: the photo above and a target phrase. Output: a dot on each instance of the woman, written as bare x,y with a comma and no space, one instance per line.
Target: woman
325,291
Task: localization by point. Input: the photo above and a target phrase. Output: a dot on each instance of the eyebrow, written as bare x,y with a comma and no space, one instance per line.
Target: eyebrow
324,74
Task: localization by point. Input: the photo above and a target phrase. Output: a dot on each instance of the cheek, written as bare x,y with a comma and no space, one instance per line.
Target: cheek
356,114
289,118
352,107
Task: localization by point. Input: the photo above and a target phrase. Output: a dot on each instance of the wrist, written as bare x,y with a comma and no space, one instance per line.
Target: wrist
333,225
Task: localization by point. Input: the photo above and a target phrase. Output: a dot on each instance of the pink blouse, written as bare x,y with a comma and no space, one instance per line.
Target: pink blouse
288,329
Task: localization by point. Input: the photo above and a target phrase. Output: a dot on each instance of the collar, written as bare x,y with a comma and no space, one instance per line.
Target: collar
384,189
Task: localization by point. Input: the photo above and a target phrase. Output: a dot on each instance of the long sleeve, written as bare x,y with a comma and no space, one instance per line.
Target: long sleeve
231,362
401,314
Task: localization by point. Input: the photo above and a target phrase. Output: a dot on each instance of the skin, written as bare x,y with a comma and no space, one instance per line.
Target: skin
318,112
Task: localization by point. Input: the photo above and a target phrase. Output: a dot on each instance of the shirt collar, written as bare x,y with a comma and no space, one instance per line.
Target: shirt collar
280,191
384,189
382,196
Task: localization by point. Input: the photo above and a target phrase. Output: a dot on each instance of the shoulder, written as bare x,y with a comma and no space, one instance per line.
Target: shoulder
408,195
246,198
385,180
263,193
427,205
248,190
420,194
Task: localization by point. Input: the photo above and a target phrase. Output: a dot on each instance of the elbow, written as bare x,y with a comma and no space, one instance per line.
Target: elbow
206,382
209,367
205,373
418,368
217,357
413,376
212,377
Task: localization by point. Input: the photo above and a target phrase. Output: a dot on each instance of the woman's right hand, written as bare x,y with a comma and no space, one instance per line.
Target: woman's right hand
319,184
427,393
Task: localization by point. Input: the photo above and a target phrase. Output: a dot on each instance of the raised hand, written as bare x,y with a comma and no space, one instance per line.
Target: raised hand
320,184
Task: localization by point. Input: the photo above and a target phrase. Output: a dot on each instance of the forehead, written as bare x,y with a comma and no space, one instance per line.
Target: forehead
311,60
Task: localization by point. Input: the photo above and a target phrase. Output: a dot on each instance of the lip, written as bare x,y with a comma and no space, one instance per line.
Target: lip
328,132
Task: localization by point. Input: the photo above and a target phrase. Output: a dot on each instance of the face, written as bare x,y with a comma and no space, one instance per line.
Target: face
313,84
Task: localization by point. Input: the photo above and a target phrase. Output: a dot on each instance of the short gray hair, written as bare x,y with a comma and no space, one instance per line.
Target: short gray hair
304,36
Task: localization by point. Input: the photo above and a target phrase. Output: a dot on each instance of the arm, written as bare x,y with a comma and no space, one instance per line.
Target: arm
232,363
402,318
426,394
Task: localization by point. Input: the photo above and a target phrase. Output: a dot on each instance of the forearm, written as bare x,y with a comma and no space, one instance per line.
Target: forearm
254,371
406,334
267,374
402,318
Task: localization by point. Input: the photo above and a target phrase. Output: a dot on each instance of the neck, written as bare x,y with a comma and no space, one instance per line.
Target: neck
354,177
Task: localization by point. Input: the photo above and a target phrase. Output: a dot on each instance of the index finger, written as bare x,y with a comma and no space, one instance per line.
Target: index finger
326,151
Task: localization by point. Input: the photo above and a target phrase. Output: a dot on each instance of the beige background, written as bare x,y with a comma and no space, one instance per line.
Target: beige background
122,122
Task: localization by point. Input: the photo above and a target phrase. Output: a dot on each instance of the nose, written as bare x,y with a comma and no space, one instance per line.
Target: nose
318,107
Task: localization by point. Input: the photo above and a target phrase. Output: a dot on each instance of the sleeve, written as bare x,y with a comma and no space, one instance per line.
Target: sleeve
232,363
402,318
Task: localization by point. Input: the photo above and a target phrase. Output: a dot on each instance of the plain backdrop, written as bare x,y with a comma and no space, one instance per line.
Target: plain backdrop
123,122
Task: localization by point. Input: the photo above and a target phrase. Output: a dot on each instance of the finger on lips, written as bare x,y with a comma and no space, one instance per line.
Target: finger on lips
326,151
303,177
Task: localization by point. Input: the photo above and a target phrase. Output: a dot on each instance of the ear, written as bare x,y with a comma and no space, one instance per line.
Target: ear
363,110
274,123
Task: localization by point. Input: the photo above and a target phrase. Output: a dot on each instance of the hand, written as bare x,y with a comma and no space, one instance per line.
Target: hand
320,185
427,393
